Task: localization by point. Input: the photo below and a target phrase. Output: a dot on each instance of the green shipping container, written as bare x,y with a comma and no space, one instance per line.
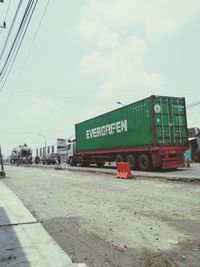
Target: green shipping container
154,121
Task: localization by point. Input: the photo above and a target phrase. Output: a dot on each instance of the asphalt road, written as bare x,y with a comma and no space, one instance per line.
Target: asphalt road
104,221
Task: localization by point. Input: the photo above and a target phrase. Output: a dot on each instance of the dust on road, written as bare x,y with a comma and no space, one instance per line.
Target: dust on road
104,221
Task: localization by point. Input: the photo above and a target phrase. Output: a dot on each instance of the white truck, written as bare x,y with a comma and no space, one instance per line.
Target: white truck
21,155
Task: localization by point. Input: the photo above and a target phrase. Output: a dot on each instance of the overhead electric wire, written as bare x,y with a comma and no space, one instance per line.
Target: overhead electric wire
22,24
27,56
36,131
6,15
35,35
7,10
192,105
11,27
18,47
45,9
18,34
19,31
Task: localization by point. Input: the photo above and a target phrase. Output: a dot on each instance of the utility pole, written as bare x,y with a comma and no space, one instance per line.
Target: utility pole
45,142
2,173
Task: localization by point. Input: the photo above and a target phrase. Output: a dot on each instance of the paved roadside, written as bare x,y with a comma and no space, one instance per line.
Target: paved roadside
103,221
23,240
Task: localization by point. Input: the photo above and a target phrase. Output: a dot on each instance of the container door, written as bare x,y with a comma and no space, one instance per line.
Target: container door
178,120
170,121
162,121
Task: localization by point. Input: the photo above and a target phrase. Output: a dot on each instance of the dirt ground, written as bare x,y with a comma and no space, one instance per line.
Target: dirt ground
104,221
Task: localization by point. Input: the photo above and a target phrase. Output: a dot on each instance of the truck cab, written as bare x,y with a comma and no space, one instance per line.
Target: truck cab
71,149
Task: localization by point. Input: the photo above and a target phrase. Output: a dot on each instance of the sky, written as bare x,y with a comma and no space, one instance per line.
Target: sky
90,54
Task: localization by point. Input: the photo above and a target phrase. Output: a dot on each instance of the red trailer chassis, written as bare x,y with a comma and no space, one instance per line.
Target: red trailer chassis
163,157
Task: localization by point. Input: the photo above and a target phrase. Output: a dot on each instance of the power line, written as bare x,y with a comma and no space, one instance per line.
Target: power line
34,132
19,45
35,35
195,122
6,14
58,96
11,27
44,12
17,37
27,56
10,58
192,105
7,10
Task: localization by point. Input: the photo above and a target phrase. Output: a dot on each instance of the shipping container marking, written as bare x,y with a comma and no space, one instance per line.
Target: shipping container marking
116,127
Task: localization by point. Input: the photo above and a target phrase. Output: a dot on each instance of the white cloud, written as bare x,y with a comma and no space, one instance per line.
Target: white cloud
98,31
118,54
158,17
123,68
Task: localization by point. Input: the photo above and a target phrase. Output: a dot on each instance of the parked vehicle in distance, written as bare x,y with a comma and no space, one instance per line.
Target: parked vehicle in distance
150,133
21,155
37,160
50,159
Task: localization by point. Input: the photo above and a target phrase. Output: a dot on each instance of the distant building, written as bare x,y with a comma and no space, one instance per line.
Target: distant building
192,132
62,147
194,143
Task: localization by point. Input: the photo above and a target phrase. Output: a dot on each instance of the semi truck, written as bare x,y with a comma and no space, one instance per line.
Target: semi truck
150,133
21,155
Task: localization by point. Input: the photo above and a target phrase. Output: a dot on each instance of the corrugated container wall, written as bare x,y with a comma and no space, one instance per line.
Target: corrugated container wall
156,120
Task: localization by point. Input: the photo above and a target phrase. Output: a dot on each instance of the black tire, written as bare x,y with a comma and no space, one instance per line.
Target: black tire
119,158
72,162
197,155
144,162
131,159
100,164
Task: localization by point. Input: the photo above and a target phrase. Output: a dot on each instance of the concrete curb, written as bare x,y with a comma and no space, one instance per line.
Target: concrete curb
23,240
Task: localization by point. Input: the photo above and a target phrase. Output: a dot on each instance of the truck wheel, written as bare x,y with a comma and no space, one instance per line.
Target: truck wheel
144,162
72,162
131,159
100,164
119,158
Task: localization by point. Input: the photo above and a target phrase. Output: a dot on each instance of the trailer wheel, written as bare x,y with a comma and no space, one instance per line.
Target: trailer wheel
119,158
131,159
144,162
